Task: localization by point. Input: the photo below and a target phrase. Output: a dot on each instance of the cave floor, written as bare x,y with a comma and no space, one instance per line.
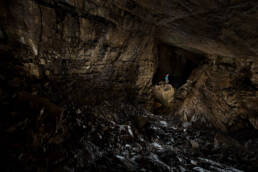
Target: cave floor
120,137
42,131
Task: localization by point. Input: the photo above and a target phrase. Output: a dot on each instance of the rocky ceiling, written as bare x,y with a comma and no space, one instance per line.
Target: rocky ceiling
226,28
221,27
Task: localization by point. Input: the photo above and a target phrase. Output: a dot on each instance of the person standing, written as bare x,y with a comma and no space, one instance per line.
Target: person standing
166,78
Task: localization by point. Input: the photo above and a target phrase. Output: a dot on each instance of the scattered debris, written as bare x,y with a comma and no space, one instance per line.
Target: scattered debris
112,136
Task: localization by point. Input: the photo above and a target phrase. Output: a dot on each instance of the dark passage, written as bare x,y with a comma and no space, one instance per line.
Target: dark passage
179,63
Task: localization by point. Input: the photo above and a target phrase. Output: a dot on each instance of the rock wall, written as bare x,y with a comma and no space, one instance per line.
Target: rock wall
103,48
223,92
108,48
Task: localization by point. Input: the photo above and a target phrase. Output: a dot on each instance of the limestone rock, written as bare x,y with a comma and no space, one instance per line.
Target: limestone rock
109,49
32,69
226,141
37,103
223,94
254,71
164,94
195,144
82,41
141,121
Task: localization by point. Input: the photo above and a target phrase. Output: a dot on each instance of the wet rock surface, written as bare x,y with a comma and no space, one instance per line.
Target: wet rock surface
39,135
44,129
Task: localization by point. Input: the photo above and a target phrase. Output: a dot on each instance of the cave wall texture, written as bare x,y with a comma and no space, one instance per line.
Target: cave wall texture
63,40
112,45
224,93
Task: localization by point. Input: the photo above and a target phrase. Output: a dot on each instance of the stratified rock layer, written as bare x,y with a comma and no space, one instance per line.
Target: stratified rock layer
60,40
224,93
108,49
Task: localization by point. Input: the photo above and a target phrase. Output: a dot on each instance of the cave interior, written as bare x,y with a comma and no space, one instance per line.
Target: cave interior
177,62
77,79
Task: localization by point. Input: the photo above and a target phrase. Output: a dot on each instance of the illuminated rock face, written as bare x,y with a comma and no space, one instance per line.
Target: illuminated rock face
58,40
111,45
164,94
223,93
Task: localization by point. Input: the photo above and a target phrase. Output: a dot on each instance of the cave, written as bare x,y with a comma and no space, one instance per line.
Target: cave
176,62
78,80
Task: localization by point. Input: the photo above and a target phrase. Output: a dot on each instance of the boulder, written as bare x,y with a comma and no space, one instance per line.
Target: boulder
164,93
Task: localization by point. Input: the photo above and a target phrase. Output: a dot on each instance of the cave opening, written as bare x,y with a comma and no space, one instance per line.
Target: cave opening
176,62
